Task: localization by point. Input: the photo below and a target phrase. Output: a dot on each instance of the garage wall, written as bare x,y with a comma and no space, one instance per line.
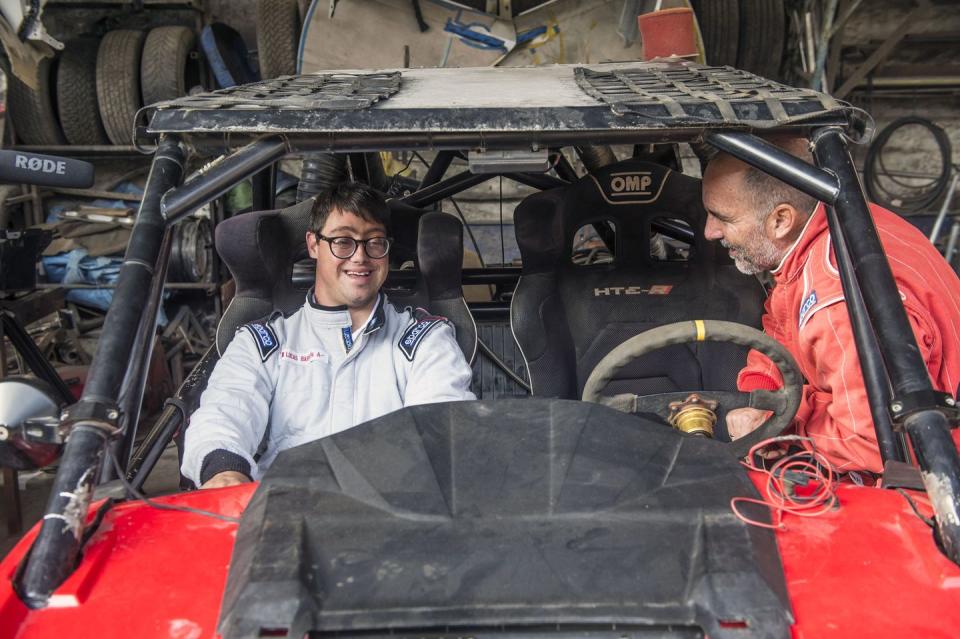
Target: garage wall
870,25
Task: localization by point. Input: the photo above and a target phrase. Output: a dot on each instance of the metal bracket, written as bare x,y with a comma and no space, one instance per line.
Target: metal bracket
102,416
44,431
906,405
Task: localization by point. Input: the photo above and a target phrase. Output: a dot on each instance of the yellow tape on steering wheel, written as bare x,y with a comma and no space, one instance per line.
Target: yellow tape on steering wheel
701,330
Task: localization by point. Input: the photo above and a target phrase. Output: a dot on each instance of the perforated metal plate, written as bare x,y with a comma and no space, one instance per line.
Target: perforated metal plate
350,91
710,93
495,107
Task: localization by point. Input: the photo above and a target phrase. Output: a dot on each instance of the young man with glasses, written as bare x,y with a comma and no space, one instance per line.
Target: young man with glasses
345,357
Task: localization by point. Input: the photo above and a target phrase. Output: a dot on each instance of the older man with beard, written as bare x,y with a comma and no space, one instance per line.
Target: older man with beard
769,227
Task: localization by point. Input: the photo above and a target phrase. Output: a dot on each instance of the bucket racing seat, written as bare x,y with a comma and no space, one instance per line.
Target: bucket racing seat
439,287
260,249
566,316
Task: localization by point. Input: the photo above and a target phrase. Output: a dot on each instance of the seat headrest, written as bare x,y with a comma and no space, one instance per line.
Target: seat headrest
260,249
631,194
404,222
440,251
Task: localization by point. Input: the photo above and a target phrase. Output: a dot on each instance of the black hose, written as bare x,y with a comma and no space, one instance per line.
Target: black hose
466,225
595,157
499,363
418,14
368,169
923,196
319,172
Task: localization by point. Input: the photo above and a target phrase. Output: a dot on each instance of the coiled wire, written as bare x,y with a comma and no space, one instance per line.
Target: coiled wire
918,197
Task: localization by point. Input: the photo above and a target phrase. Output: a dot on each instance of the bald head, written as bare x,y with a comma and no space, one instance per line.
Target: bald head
756,216
756,190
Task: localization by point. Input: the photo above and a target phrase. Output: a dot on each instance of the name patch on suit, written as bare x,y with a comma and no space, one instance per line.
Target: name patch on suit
411,338
807,305
265,339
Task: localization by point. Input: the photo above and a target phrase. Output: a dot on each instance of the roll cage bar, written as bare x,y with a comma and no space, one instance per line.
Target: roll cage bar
901,396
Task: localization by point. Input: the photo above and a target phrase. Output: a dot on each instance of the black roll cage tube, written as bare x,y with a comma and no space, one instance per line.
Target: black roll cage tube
95,421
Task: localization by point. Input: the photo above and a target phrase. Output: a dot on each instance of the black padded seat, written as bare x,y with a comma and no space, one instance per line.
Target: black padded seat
566,317
261,247
439,286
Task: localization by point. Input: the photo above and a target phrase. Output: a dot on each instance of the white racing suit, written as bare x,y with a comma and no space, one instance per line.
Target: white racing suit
308,376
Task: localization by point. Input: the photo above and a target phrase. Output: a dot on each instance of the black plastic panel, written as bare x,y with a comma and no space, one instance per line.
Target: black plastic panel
503,516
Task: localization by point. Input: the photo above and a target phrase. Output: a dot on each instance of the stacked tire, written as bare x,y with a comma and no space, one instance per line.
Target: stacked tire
77,93
278,36
763,33
90,95
33,110
118,83
747,34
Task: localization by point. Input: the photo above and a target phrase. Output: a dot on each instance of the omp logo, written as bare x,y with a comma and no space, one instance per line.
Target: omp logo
631,183
41,165
632,187
656,289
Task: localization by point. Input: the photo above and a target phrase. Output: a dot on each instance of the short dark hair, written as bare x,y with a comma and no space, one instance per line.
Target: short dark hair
350,197
767,191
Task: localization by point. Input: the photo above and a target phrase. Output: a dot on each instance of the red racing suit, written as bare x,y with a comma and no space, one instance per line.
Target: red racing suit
806,313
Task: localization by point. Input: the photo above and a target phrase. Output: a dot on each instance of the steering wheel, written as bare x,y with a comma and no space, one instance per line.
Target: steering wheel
783,403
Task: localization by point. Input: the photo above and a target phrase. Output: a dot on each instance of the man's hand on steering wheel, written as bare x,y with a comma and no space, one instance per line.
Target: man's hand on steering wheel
743,421
751,417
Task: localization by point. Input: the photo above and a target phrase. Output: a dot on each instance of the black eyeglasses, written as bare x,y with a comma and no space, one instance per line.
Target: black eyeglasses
344,247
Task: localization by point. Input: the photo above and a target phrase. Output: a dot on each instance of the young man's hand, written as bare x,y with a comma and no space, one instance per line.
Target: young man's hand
226,478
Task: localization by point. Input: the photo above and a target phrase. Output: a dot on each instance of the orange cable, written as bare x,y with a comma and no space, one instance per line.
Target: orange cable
778,495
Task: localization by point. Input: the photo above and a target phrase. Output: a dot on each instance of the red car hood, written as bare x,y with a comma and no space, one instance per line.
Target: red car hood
869,568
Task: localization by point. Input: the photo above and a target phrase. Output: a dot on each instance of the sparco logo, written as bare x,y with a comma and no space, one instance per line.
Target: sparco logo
631,183
42,165
411,337
264,335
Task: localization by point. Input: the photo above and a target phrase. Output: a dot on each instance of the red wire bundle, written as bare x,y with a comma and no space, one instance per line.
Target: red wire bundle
817,496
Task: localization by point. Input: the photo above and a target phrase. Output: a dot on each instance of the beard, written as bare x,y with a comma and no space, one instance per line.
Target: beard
755,255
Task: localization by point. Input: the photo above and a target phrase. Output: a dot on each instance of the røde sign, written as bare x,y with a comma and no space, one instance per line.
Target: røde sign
45,166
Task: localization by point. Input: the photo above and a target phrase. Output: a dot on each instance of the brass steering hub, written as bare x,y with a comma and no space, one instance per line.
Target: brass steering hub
694,415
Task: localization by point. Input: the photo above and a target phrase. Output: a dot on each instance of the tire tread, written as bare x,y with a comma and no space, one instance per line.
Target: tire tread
720,25
34,111
762,34
278,34
77,93
163,64
118,82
